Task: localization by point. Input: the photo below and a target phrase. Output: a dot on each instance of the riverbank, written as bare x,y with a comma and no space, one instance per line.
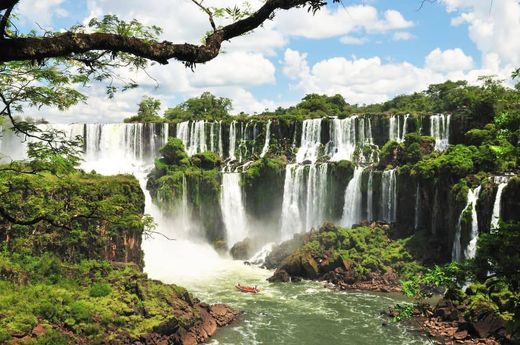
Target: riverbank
47,301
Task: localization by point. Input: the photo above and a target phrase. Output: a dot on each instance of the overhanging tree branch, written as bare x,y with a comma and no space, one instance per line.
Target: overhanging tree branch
69,43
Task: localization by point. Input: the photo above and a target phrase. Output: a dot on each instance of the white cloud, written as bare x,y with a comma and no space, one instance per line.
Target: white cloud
370,80
402,36
353,40
448,60
492,25
295,64
342,21
41,12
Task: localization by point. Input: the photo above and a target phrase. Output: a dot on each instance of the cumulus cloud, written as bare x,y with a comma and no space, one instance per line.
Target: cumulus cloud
41,12
370,80
492,25
340,21
402,36
448,60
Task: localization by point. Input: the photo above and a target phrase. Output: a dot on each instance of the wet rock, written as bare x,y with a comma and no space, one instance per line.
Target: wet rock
242,250
446,310
280,276
487,323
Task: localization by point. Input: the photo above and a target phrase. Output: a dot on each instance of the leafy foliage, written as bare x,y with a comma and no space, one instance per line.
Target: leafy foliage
148,111
207,106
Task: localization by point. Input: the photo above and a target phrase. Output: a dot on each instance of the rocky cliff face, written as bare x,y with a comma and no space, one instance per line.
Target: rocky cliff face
78,217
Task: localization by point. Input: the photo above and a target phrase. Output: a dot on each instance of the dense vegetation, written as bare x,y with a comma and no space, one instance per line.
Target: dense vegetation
47,301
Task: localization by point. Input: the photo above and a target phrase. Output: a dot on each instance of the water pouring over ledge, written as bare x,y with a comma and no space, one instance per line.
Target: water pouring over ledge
193,263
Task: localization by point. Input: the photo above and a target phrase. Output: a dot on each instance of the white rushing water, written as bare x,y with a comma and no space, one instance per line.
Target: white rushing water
495,217
193,136
370,196
352,207
396,132
440,130
304,198
265,149
310,141
389,196
471,249
233,210
232,140
417,207
343,138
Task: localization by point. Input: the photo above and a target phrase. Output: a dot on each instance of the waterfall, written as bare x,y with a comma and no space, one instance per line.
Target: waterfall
405,128
370,197
343,139
233,210
193,136
316,196
310,143
267,139
212,137
220,146
352,207
304,198
396,132
417,207
495,218
440,130
291,219
232,140
471,249
389,195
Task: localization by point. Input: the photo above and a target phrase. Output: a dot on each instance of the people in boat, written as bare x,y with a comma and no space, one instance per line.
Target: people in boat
245,288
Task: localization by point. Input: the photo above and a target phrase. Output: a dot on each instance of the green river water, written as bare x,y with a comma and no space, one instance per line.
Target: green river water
283,313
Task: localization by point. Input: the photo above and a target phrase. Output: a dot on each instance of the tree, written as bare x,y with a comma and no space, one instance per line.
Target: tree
111,40
207,106
149,108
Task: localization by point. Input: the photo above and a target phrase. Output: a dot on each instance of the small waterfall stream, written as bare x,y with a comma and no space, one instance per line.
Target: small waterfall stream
310,142
352,207
471,249
389,195
440,130
495,218
233,210
265,149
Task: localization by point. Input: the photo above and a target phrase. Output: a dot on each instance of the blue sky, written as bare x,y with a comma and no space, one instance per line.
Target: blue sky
368,51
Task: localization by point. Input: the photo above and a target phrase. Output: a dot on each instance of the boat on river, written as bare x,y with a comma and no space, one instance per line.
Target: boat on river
248,289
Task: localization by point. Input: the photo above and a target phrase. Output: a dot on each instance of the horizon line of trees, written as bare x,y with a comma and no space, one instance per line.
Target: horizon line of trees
491,97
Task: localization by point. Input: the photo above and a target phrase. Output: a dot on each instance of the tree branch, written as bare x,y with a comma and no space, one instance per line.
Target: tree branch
64,45
4,21
208,12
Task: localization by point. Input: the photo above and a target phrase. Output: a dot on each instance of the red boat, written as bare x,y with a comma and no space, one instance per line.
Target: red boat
249,289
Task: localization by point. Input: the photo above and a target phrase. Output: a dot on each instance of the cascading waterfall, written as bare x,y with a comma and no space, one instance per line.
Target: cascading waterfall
232,140
405,127
220,146
291,219
471,249
343,139
310,143
370,196
233,210
389,195
394,129
193,136
396,132
265,149
304,198
495,218
352,207
316,195
440,130
417,207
